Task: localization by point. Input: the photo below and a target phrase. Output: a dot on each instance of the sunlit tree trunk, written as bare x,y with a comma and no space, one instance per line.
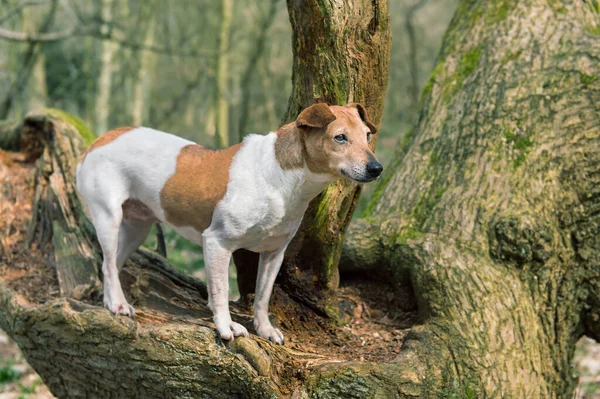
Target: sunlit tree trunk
108,49
222,102
37,89
254,59
263,71
142,85
489,211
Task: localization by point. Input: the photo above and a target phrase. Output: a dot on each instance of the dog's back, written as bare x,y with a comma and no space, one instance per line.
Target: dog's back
129,163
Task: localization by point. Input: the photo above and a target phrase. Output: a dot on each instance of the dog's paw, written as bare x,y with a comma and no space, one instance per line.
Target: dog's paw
120,307
229,329
271,333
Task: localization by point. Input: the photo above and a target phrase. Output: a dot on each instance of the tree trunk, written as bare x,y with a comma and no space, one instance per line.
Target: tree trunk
222,103
254,57
37,90
106,70
489,212
341,55
140,106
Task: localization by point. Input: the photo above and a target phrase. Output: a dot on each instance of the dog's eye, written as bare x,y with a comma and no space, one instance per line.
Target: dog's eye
341,138
368,137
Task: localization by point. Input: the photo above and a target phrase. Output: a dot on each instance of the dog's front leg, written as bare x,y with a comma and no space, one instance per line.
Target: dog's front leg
216,261
268,267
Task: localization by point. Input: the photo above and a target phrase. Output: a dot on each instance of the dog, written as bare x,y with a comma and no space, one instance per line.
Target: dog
252,195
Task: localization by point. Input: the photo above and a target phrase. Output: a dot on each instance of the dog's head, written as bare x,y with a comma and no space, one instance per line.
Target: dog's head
336,141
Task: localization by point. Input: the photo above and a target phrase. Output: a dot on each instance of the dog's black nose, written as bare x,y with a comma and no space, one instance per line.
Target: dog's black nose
374,168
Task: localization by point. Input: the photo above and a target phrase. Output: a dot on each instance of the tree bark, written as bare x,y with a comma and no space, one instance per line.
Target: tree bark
106,69
253,61
140,106
341,55
489,211
222,104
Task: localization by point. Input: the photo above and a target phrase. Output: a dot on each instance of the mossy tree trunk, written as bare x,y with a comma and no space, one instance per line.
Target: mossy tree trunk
489,212
488,216
341,55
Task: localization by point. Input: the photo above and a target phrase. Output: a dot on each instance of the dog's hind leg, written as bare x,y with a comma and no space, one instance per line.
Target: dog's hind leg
131,235
107,221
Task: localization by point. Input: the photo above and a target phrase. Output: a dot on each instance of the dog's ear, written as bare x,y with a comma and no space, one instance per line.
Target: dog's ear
317,115
363,115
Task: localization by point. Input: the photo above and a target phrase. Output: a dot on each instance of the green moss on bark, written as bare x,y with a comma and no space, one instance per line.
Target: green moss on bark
85,132
468,64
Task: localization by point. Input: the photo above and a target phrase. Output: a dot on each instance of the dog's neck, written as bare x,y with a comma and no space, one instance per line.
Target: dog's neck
290,154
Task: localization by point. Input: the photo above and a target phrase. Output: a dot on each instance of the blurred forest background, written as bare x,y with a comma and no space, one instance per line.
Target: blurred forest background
210,71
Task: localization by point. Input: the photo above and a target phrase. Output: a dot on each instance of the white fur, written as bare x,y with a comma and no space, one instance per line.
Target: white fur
261,211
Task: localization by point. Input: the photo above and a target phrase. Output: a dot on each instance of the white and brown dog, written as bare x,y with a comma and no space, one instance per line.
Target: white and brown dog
252,195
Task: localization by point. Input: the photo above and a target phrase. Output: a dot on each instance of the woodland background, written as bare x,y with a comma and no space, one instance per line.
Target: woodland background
209,71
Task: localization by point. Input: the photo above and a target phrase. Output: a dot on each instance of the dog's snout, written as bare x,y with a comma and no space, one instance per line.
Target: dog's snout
374,168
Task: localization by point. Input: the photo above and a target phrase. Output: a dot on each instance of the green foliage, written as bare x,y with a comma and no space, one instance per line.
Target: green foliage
8,374
181,253
28,390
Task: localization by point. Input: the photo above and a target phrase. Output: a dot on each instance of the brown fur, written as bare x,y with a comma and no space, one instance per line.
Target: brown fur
107,138
200,181
317,115
310,138
324,155
362,112
289,147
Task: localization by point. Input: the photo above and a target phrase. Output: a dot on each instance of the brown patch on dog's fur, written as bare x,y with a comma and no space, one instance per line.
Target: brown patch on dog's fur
310,138
107,138
289,147
317,115
324,155
200,181
362,112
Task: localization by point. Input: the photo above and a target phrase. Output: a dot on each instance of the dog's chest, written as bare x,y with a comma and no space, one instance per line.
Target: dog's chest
263,204
258,220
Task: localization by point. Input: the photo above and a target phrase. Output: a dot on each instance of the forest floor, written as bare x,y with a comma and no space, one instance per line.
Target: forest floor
372,330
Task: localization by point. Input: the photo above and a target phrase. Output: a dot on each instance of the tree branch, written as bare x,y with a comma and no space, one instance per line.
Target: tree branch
36,37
